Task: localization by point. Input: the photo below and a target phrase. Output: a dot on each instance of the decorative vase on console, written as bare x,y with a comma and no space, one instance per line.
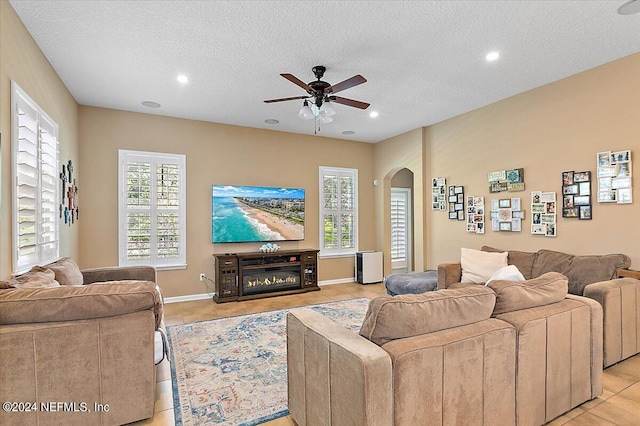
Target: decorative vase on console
269,248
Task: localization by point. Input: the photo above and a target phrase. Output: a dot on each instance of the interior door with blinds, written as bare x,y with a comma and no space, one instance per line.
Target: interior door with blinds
401,230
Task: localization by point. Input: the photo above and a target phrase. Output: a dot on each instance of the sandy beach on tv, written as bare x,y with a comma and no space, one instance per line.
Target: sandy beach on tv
288,229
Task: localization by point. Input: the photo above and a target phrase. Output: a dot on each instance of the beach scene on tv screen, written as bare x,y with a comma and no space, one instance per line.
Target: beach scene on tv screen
256,213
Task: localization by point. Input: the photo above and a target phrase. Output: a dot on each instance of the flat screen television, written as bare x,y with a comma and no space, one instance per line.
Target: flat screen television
242,214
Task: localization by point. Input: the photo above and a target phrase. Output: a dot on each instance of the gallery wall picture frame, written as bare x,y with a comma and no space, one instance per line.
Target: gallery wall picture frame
576,193
543,211
475,214
585,212
506,215
456,202
615,169
506,180
438,194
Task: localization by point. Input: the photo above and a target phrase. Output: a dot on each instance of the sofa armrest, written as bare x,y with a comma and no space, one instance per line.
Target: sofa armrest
119,273
620,300
449,273
335,376
622,273
71,303
597,343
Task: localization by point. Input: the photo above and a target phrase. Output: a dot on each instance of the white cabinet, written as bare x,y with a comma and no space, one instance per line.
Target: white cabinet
369,267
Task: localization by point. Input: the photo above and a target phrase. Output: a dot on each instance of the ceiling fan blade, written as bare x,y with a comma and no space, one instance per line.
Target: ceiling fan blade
296,80
349,102
285,99
347,84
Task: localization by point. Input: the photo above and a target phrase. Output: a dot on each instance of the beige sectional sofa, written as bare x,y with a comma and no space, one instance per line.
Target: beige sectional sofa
85,341
592,276
454,356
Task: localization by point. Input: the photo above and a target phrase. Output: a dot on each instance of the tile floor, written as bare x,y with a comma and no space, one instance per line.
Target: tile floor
618,405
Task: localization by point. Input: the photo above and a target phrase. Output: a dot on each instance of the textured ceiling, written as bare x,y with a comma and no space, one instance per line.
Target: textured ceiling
424,60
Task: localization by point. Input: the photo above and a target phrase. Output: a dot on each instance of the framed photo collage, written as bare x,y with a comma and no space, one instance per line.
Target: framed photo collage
576,195
614,177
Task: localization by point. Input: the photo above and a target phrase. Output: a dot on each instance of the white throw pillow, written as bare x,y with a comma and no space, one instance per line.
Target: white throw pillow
507,273
478,266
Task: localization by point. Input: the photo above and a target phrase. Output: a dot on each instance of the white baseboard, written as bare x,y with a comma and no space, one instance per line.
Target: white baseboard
338,281
188,298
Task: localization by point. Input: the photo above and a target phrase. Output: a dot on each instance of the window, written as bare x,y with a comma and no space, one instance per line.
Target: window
400,229
152,209
36,193
338,211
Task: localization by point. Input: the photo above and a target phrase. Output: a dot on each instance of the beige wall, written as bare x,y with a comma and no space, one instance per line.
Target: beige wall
22,61
216,154
555,128
391,156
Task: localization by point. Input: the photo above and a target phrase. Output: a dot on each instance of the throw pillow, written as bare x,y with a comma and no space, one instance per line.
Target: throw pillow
478,266
37,277
513,296
67,272
396,317
506,273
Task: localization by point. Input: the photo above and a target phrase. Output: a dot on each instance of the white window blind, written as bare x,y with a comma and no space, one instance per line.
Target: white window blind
152,209
338,211
36,189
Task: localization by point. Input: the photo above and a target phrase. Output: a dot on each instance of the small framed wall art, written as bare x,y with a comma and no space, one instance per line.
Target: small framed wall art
439,194
456,202
576,195
475,214
543,213
506,215
506,180
614,177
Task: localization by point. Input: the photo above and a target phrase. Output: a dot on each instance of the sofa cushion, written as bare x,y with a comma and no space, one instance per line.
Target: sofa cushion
396,317
506,273
580,270
37,277
514,296
67,272
523,260
69,303
478,266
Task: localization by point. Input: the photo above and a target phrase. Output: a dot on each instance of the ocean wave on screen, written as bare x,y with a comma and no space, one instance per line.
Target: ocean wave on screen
264,230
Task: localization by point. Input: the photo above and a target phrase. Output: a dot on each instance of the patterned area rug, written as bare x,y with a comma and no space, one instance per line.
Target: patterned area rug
233,371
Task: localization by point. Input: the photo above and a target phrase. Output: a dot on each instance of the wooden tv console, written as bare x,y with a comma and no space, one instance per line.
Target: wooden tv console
253,275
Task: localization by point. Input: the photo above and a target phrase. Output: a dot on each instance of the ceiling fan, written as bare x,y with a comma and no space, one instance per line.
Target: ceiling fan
319,92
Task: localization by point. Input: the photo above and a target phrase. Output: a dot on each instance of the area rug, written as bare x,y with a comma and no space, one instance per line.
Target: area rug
233,371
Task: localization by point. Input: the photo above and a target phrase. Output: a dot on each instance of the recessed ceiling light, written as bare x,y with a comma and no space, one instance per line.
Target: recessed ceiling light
492,56
348,132
183,79
373,114
629,8
151,104
271,121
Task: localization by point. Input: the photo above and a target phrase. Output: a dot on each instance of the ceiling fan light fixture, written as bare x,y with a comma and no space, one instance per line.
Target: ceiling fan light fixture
327,107
323,118
629,8
305,112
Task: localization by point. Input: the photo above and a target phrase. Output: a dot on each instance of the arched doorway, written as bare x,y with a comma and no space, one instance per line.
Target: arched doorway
401,216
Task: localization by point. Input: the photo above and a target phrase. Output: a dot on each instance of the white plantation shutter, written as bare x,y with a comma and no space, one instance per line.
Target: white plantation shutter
338,211
152,209
400,227
36,187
